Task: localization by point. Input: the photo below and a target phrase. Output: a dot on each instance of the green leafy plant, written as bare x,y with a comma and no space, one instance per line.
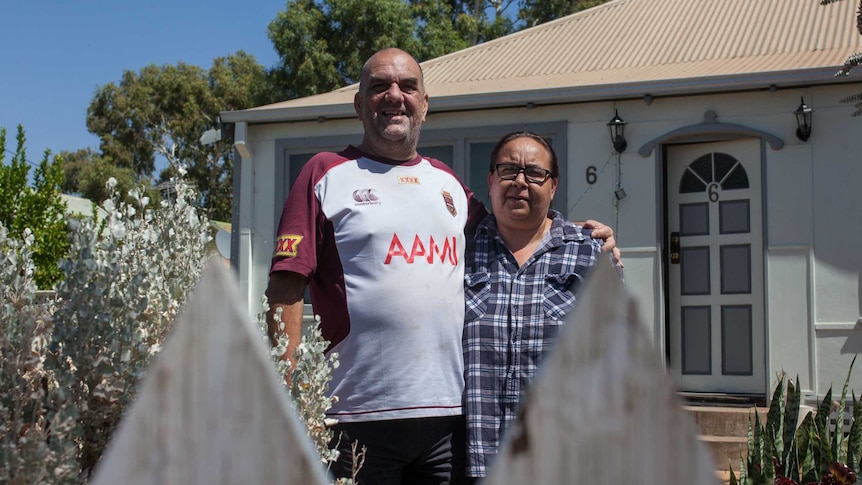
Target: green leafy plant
37,208
782,453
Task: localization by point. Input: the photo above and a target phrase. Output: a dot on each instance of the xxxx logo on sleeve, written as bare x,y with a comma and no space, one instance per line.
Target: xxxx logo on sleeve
286,245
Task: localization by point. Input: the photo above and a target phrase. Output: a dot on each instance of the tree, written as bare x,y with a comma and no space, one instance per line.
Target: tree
93,180
474,21
322,44
162,111
535,12
37,210
854,61
441,28
86,171
74,164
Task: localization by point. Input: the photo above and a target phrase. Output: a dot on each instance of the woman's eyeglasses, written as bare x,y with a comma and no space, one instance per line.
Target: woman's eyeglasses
510,171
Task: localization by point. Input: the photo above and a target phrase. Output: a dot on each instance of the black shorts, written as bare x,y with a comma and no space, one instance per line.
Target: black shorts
417,451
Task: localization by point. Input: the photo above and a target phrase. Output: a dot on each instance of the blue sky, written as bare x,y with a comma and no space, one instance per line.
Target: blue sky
55,53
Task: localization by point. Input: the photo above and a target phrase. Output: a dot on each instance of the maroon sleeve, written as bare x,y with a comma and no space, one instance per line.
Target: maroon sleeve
301,225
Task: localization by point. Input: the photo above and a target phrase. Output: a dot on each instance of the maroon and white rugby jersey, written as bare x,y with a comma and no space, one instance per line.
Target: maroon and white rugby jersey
382,244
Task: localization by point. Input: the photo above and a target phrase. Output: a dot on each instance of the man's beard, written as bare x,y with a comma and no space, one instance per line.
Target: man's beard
406,137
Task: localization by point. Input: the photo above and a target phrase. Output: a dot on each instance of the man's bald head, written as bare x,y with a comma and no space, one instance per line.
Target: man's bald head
388,53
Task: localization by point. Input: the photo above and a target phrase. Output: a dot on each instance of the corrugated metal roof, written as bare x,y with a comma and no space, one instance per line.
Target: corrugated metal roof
626,48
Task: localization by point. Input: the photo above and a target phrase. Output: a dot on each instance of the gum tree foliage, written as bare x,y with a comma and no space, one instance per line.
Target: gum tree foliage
162,111
75,165
322,44
85,173
535,12
853,61
37,207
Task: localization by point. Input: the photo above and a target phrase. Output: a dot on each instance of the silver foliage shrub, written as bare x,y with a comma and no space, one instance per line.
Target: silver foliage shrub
69,366
308,381
36,423
125,282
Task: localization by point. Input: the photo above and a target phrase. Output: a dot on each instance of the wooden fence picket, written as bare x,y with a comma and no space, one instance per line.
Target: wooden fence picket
211,409
603,409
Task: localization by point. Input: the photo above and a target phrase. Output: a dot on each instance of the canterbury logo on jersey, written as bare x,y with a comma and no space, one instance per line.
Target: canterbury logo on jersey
431,253
365,197
286,245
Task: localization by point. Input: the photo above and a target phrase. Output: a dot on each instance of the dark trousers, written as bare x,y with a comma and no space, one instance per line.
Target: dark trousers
417,451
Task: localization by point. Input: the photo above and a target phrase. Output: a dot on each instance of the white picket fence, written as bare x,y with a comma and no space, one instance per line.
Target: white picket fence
211,409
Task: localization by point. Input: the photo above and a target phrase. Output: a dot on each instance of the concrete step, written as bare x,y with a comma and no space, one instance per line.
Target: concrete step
726,450
724,421
724,476
724,429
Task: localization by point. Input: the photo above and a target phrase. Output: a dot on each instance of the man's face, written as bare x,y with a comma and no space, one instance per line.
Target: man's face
392,102
519,204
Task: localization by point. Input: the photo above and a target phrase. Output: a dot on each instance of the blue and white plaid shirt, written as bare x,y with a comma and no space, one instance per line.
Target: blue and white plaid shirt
513,315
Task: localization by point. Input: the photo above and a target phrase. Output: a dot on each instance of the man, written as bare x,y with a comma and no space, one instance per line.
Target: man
377,231
523,268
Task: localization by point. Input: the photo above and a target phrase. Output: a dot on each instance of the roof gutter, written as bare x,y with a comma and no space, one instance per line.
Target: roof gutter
275,115
617,91
568,94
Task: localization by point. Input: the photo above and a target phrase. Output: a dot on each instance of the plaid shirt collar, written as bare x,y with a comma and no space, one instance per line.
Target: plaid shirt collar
557,235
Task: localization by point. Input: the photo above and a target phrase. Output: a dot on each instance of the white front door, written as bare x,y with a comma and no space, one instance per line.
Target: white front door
716,318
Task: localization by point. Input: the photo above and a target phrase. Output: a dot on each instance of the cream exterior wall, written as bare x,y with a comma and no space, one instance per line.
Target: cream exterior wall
812,211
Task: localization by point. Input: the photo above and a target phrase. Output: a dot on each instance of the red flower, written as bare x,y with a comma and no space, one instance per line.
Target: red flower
784,481
842,474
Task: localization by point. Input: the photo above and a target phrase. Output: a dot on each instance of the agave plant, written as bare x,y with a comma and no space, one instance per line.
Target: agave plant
781,453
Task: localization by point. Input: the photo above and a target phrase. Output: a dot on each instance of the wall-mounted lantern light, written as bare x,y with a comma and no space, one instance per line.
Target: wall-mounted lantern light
803,120
617,128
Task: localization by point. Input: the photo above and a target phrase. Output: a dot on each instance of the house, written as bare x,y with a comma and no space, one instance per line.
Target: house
81,207
740,231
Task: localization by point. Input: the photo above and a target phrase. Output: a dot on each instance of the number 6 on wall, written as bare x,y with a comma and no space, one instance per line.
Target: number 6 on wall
591,175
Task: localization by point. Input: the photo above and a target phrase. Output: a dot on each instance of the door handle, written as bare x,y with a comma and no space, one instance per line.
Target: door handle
674,248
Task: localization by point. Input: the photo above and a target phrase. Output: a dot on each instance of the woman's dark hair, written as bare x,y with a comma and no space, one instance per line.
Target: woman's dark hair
555,169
